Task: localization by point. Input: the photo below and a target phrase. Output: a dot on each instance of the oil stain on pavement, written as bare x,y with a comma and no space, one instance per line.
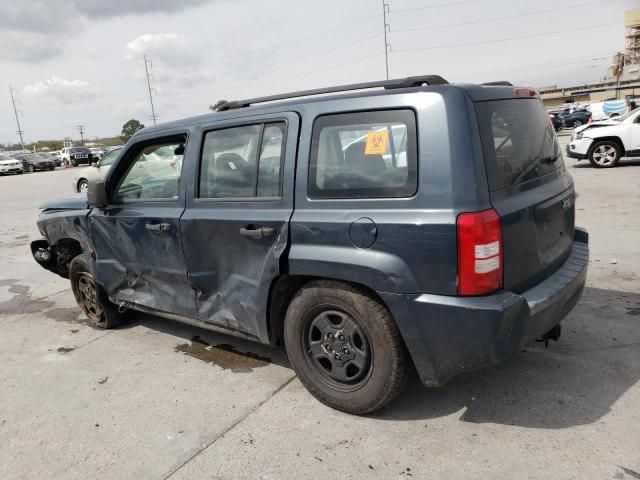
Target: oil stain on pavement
22,301
225,356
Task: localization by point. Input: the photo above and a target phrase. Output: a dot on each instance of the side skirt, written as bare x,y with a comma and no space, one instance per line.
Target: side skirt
189,321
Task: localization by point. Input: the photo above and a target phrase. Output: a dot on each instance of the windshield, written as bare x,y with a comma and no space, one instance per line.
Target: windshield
109,158
78,149
622,118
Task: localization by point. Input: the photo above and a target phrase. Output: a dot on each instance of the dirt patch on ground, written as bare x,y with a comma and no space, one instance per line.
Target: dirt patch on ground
225,356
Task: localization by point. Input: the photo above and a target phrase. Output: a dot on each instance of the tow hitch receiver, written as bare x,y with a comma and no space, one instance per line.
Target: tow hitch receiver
553,334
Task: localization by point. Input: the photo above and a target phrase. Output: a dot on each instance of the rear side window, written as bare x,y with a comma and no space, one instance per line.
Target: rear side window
364,155
243,162
518,141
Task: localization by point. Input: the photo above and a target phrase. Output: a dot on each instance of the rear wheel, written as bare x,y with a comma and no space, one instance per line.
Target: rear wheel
605,154
91,297
345,347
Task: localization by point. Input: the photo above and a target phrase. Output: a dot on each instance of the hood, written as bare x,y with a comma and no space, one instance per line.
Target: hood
602,123
77,201
9,161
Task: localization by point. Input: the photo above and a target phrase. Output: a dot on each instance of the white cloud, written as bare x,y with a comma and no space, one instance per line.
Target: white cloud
32,31
65,91
169,48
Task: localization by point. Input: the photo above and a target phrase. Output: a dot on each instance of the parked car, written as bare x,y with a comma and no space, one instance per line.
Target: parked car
605,143
32,162
97,153
557,121
76,155
98,171
56,159
10,165
574,117
447,261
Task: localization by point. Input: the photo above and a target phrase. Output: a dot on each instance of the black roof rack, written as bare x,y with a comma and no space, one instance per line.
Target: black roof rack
386,84
499,83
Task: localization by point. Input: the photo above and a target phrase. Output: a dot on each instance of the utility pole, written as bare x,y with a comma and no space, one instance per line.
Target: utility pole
81,130
387,29
147,62
20,132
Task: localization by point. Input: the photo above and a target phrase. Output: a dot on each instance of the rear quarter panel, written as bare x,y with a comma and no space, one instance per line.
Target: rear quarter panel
415,250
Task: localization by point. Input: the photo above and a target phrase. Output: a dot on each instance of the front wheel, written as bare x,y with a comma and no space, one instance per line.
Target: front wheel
83,185
345,347
31,169
577,123
605,154
90,296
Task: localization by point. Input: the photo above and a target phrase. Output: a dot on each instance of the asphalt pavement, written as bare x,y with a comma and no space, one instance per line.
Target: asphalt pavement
157,399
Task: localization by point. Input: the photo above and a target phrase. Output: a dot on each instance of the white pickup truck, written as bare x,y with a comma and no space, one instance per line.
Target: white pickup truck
604,143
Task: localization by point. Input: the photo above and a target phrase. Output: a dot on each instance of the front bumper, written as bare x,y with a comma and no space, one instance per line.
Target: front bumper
447,336
578,148
11,170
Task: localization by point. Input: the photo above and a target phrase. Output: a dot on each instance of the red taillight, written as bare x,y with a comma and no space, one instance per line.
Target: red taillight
479,252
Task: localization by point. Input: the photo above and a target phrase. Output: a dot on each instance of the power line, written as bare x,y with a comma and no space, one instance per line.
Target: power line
387,29
495,19
438,5
13,101
436,47
81,130
147,62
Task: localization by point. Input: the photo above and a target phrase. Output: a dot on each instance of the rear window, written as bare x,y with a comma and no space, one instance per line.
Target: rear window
364,155
518,141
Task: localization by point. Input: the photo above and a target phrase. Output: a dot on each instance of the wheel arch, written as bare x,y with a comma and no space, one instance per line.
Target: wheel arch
611,138
285,287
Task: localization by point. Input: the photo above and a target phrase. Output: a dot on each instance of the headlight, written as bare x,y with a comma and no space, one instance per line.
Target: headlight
579,135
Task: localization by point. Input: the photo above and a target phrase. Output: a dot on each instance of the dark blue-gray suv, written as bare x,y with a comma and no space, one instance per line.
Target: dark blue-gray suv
369,228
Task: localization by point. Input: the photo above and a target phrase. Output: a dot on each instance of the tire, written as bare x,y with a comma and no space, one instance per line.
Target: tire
90,296
605,154
83,185
359,362
577,123
31,169
73,163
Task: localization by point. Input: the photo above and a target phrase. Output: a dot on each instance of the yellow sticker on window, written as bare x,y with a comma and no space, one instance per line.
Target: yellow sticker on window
376,143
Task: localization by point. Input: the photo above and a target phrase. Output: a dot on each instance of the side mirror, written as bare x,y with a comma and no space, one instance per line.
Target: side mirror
97,194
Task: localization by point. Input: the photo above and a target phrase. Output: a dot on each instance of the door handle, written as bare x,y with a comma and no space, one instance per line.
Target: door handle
158,227
257,232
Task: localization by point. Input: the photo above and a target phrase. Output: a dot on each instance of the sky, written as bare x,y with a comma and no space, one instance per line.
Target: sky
81,62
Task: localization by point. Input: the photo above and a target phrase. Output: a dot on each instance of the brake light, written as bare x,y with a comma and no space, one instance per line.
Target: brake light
479,252
524,92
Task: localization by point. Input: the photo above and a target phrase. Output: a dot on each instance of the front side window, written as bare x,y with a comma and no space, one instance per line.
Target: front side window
154,173
242,162
364,155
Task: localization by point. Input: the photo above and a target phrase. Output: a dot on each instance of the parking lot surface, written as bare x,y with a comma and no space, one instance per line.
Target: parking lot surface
157,399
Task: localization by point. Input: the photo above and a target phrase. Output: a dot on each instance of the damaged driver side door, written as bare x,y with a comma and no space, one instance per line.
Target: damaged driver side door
137,239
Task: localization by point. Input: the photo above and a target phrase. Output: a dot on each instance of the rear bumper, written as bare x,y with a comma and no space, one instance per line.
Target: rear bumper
447,336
